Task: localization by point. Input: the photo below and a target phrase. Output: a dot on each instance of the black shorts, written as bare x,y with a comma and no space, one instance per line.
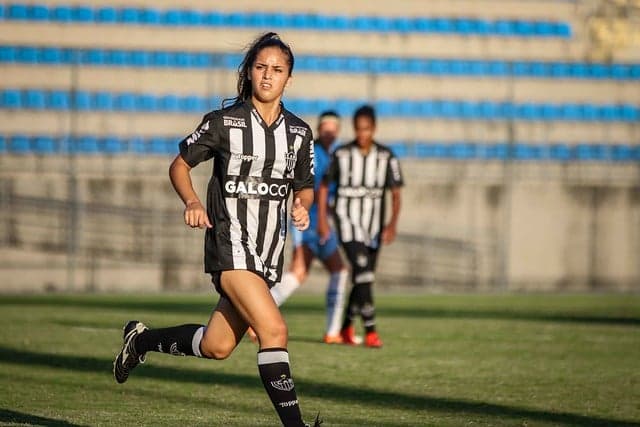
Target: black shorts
363,261
217,283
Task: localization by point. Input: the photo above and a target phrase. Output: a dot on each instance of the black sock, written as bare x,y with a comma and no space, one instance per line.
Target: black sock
273,365
368,310
181,340
352,309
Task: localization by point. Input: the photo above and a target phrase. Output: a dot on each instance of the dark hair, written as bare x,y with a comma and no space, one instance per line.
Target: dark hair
244,69
365,111
328,113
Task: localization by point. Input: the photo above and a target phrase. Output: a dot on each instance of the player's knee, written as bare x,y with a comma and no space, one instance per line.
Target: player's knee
275,335
217,350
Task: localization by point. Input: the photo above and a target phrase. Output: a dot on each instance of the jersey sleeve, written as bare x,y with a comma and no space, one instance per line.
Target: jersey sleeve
200,145
394,173
304,171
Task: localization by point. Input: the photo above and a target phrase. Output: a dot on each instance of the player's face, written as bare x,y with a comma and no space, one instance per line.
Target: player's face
364,129
269,74
328,132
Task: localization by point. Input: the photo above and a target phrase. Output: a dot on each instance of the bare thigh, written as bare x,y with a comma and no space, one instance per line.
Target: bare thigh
252,300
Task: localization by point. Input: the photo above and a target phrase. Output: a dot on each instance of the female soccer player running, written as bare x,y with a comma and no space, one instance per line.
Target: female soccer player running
362,170
261,153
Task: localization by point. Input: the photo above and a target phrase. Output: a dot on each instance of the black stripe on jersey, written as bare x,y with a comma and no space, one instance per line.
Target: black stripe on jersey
269,154
245,169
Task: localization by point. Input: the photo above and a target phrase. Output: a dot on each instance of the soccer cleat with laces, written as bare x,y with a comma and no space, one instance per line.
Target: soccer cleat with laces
332,339
128,358
372,339
349,336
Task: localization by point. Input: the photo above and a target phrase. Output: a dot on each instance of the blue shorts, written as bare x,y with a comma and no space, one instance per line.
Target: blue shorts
311,239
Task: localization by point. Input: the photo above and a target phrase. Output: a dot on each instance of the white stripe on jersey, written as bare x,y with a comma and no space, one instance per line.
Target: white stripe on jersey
344,167
279,171
369,182
345,224
357,164
377,204
259,141
235,231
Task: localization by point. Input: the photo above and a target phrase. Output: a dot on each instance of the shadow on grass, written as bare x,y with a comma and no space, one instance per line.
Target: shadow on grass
9,416
323,390
203,309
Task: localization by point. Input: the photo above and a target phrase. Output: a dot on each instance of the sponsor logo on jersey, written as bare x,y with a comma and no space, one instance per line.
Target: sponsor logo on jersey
298,130
198,133
284,383
244,157
360,192
235,122
256,188
312,158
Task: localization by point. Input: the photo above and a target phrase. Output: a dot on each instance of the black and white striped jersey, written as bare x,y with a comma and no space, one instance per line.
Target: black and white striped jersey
361,183
255,168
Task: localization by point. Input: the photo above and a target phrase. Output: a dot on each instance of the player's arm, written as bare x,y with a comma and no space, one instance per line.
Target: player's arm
390,230
195,214
302,201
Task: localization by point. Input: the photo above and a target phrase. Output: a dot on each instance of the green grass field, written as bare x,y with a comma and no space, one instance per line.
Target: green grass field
533,360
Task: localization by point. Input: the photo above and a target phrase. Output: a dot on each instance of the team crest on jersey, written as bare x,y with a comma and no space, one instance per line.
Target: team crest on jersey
291,160
298,130
284,383
234,122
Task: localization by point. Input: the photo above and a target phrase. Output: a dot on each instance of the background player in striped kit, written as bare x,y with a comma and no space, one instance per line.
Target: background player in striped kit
261,152
362,170
307,244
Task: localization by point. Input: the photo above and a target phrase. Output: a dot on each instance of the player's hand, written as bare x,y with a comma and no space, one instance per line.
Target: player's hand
196,216
388,234
300,215
324,231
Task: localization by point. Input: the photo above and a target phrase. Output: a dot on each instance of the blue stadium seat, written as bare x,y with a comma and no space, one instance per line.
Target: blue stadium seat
83,14
562,29
469,110
130,15
125,101
107,15
119,58
140,58
150,16
192,103
146,102
28,54
444,25
498,68
620,71
39,12
35,99
8,54
94,57
465,26
629,113
462,151
356,64
59,100
423,24
169,103
381,24
400,149
159,145
589,112
570,112
543,29
607,113
82,101
44,145
598,71
402,25
527,152
361,23
51,55
19,144
236,19
497,152
112,145
560,152
86,145
634,71
18,12
136,145
549,112
3,145
560,70
214,18
183,59
621,153
103,101
62,13
504,28
524,28
11,99
579,70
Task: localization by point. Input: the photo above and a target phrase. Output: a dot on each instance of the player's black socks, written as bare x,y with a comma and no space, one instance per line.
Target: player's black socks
181,340
352,309
368,310
273,364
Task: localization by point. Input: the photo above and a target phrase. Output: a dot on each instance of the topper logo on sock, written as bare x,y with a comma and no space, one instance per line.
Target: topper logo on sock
284,383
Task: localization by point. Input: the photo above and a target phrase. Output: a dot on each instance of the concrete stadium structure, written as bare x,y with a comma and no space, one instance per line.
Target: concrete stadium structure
85,217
